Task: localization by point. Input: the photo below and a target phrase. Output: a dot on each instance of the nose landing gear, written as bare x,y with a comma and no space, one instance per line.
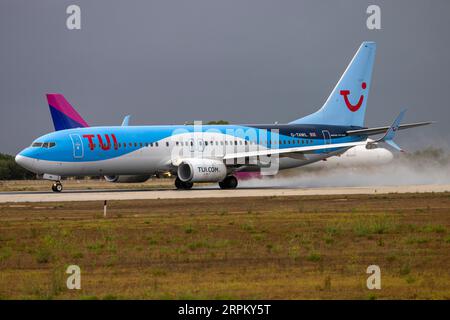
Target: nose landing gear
57,187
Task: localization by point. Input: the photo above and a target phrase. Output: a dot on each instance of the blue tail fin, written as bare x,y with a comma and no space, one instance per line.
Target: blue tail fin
63,114
346,105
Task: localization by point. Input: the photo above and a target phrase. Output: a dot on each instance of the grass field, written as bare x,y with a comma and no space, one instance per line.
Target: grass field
250,248
84,184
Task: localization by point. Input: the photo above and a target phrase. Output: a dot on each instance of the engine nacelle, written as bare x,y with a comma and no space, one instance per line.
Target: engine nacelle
127,178
202,170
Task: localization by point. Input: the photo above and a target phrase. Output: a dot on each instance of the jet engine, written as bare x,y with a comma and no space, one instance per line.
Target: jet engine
202,170
127,178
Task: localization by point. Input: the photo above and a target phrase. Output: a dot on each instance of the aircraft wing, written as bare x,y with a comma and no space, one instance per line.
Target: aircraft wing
295,150
380,130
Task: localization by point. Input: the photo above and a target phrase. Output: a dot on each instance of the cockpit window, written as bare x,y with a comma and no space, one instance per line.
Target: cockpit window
43,145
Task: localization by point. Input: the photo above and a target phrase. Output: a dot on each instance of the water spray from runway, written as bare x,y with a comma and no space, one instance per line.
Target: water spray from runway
430,166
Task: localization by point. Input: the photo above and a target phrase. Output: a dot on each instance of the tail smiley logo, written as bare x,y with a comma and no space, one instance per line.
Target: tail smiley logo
350,106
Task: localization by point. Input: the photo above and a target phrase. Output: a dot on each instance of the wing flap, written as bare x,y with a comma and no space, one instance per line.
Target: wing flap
286,151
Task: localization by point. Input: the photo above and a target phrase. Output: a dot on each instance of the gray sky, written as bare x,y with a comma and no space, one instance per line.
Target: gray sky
246,61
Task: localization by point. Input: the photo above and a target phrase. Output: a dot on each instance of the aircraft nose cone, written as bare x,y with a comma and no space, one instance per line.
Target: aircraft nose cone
19,159
24,162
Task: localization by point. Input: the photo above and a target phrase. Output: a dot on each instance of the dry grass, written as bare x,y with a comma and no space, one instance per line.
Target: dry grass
251,248
84,184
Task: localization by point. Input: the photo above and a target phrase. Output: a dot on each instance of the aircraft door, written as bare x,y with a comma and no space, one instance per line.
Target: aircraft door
326,138
78,151
201,145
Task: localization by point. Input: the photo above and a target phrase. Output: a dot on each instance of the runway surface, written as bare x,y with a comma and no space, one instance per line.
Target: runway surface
96,195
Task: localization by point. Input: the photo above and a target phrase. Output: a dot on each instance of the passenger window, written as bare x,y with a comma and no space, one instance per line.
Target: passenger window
156,144
140,144
167,144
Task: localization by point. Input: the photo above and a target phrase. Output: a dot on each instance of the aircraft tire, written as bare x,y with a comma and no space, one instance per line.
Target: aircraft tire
57,187
180,185
229,182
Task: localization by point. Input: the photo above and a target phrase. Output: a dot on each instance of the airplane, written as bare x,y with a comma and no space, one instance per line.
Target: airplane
210,153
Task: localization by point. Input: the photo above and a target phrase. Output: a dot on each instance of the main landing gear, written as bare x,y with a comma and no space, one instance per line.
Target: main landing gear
230,182
183,185
57,186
